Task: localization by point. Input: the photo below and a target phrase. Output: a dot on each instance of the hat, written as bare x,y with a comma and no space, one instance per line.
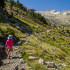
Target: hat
10,37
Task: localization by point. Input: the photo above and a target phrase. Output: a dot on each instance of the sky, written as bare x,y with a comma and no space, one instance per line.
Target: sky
42,5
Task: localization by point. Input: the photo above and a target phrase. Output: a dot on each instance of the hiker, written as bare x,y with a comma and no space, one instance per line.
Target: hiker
9,44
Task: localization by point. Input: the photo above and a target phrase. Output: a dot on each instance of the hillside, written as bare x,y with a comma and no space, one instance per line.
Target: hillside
41,44
56,18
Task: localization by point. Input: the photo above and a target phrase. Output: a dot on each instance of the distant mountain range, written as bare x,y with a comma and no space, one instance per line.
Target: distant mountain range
56,18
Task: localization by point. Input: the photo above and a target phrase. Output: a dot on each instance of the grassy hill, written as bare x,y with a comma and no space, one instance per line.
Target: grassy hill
37,38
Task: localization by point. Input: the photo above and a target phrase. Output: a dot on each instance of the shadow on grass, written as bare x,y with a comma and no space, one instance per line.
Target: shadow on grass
12,20
26,28
16,57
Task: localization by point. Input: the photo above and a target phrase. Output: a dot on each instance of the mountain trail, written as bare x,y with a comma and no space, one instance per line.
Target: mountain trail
14,63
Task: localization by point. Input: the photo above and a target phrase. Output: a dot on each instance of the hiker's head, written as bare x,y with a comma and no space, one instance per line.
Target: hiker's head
10,37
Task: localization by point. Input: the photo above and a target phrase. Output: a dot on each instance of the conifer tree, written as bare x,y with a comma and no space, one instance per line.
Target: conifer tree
5,0
18,3
2,4
11,4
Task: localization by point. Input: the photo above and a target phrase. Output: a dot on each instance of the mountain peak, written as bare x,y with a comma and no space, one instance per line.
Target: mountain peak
56,12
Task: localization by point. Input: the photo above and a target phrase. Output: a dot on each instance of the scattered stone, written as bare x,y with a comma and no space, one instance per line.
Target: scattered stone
68,43
51,64
36,35
26,42
63,64
53,49
31,69
51,69
44,50
53,38
22,61
21,51
58,60
41,61
48,30
66,35
20,68
32,58
16,67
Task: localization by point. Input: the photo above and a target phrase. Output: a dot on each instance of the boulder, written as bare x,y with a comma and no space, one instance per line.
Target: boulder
48,30
51,64
51,69
22,61
20,68
63,64
58,60
41,61
27,42
21,51
32,58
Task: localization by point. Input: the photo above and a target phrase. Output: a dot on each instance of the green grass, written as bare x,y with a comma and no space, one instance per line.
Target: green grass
54,39
6,29
55,42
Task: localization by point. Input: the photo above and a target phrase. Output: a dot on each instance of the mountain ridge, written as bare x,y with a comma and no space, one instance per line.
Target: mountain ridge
64,12
56,18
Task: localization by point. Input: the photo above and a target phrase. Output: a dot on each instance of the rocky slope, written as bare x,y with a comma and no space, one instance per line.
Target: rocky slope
56,18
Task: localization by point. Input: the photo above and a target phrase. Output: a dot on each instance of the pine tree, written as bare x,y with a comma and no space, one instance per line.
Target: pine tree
11,4
2,3
5,0
18,3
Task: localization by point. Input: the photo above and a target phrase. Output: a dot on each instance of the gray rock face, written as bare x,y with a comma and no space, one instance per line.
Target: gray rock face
56,18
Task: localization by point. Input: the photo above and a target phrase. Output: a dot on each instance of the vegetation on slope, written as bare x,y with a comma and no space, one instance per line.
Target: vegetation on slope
50,43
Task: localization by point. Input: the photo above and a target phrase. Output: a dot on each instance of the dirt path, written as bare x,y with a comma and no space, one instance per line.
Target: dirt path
15,63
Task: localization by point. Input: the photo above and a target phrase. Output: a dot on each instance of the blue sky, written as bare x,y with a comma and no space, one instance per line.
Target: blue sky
41,5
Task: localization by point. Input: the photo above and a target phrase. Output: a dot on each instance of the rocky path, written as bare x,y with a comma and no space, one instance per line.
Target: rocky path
14,63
